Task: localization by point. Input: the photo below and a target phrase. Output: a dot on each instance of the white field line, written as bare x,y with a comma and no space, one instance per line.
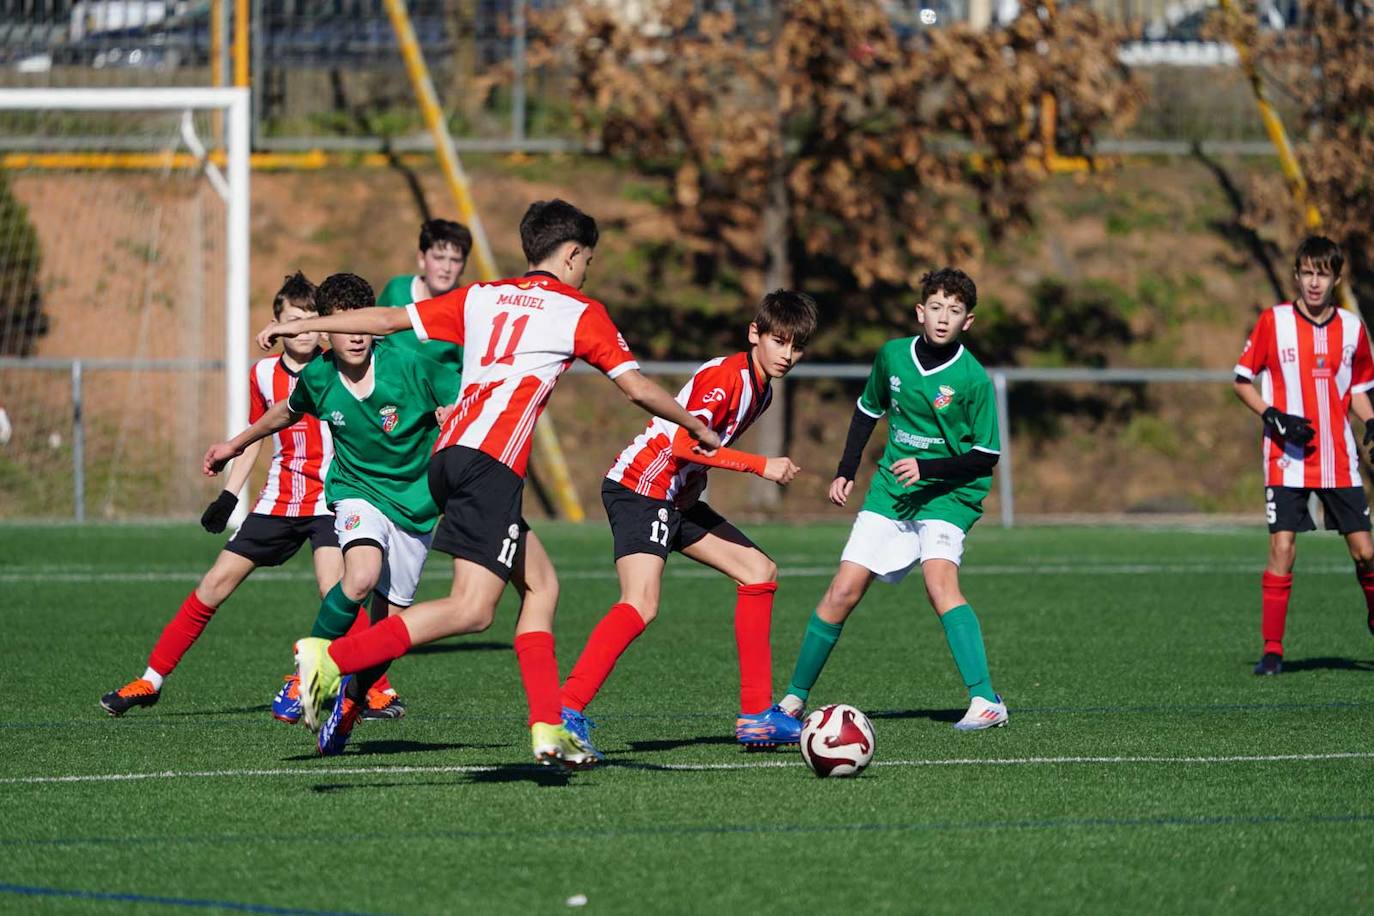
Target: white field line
70,575
327,772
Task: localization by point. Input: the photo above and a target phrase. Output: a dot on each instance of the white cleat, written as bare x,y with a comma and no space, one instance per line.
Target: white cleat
983,714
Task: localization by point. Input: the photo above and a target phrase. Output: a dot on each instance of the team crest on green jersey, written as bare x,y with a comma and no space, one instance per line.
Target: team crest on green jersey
945,398
389,418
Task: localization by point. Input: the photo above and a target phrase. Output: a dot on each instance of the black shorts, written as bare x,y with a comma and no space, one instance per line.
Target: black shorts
1346,509
641,524
271,540
480,500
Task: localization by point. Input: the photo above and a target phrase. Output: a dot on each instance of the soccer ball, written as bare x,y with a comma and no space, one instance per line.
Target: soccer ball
837,740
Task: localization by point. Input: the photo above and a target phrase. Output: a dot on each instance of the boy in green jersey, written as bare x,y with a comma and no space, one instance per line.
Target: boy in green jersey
926,494
380,405
444,249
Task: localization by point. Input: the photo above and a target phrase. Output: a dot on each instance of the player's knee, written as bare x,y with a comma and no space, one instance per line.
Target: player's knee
358,585
763,570
840,597
646,607
1363,557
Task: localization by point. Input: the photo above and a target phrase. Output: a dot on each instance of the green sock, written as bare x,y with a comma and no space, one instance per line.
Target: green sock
965,640
816,645
337,612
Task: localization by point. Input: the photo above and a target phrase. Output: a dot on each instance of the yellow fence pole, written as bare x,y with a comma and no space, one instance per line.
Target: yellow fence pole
547,451
217,65
241,43
1273,126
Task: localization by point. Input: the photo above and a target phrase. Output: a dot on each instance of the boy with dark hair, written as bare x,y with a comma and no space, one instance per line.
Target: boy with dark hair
928,491
652,498
442,256
520,335
381,406
289,511
1313,362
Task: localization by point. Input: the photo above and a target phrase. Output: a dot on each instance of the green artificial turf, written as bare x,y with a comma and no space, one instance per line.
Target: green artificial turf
1131,647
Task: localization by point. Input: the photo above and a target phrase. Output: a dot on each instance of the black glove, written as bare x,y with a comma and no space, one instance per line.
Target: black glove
217,513
1289,427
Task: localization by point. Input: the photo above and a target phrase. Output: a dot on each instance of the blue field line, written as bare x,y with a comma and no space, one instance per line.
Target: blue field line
614,833
225,722
192,902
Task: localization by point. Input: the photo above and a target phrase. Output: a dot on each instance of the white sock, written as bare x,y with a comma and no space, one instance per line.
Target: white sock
793,705
153,678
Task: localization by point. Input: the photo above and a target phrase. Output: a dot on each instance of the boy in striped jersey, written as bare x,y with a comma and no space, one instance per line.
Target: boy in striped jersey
1313,362
520,335
652,499
290,509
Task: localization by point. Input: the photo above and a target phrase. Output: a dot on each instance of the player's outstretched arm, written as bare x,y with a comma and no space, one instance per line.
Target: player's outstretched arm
216,515
378,321
779,470
651,397
278,417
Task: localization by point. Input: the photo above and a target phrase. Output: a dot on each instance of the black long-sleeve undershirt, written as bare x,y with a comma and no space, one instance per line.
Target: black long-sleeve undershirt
970,464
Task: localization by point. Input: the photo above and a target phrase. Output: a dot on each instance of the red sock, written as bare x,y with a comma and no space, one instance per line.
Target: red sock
1276,589
539,673
385,642
1367,583
360,623
181,631
607,643
753,620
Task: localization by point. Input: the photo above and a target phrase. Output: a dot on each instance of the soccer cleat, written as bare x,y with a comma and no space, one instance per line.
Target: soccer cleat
319,679
769,728
286,705
983,714
579,726
336,729
1270,663
383,704
555,744
136,693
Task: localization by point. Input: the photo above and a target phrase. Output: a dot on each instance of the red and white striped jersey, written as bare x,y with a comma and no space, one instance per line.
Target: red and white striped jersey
726,396
527,330
1310,370
301,453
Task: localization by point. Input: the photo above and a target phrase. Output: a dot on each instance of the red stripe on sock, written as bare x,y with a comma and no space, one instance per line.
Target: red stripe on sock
612,636
385,642
1274,614
539,673
753,622
181,631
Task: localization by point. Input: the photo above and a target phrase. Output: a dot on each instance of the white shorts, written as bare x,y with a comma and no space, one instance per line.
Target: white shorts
890,548
403,553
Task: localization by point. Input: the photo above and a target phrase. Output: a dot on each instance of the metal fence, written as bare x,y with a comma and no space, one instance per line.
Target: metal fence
1003,379
325,74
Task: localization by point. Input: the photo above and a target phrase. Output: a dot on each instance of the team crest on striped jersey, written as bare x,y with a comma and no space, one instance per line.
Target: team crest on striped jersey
944,398
389,418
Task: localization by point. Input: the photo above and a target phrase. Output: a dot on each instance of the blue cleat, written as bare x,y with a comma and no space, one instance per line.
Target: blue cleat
339,724
769,728
579,726
286,705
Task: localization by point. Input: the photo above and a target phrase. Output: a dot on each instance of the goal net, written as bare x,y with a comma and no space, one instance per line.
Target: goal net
123,297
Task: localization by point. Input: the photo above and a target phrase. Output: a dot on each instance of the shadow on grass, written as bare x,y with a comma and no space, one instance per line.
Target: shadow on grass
459,645
386,748
1325,663
228,711
672,744
544,777
935,715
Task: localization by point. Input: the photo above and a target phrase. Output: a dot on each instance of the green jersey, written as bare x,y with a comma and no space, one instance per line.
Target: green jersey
937,413
400,292
382,442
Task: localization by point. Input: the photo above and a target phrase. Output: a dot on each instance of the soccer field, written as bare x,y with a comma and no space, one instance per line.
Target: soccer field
1145,768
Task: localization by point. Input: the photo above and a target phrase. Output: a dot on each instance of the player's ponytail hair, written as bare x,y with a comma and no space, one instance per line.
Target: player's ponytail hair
295,290
344,293
790,314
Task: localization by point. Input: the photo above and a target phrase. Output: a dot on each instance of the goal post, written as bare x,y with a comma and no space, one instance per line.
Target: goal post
29,145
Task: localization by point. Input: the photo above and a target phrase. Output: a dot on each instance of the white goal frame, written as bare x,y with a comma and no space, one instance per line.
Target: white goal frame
233,187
